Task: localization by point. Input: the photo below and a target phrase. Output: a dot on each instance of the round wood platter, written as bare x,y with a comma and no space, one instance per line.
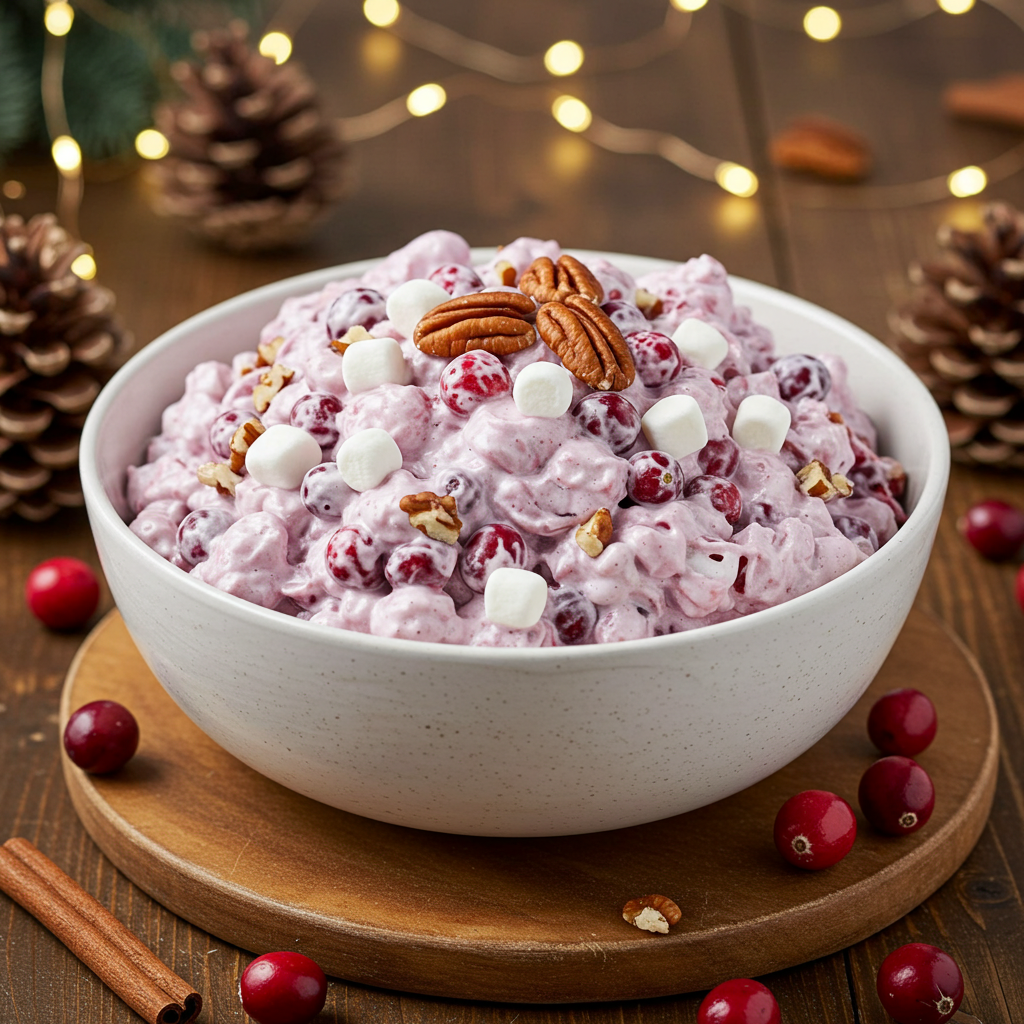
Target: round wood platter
526,920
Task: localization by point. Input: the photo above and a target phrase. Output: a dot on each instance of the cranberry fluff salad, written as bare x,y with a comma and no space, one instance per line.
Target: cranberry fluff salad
530,452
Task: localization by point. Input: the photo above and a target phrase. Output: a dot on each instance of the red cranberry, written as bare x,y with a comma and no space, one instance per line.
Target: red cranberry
611,418
920,984
462,486
457,279
315,413
854,528
654,477
101,737
815,829
871,478
324,492
353,559
739,1001
801,376
656,356
902,722
471,379
719,457
198,530
625,315
491,547
724,495
223,428
993,528
422,563
896,795
62,593
358,307
283,988
575,616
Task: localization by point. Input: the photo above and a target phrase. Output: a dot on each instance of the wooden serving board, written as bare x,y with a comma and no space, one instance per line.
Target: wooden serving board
526,920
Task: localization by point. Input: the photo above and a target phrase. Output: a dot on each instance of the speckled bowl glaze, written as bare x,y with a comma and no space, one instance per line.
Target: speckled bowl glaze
505,742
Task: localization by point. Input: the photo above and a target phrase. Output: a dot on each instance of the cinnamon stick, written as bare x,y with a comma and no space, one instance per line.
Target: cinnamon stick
116,955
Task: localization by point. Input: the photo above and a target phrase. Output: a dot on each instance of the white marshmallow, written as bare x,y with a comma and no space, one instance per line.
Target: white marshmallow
281,456
762,422
675,425
374,361
515,597
542,389
408,303
718,565
701,343
368,457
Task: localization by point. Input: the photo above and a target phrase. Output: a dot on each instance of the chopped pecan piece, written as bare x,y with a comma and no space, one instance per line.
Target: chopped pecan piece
652,913
552,282
836,417
433,514
816,480
219,475
270,383
350,337
240,441
998,100
266,352
494,321
590,346
824,147
648,303
506,272
593,535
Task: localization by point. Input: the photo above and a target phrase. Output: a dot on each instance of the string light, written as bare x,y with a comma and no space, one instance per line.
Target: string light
151,144
13,189
381,12
58,18
968,181
277,46
84,266
572,113
822,23
66,154
426,99
564,58
956,6
688,5
736,178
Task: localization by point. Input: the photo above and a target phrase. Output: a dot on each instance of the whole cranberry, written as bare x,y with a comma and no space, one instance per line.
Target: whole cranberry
462,485
854,528
223,428
653,478
471,379
491,547
902,722
995,529
62,593
198,530
316,413
101,737
896,795
574,615
324,492
457,279
358,307
353,558
815,829
920,984
610,418
423,563
283,988
723,495
801,376
719,457
739,1001
625,315
656,356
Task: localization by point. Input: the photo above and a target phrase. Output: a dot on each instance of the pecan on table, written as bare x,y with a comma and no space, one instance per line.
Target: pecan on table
590,346
493,321
552,282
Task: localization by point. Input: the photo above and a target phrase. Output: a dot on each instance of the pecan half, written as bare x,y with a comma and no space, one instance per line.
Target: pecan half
240,441
494,321
652,913
270,383
595,533
815,479
350,337
266,352
433,514
219,475
590,346
821,146
552,282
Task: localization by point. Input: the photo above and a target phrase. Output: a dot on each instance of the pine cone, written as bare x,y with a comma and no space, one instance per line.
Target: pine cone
962,333
252,165
58,344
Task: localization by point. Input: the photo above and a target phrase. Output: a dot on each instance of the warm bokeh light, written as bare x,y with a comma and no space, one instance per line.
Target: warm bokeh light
151,144
688,5
13,189
59,18
735,216
956,6
426,99
737,179
380,51
569,156
381,12
84,266
66,154
968,181
277,46
822,23
572,113
564,58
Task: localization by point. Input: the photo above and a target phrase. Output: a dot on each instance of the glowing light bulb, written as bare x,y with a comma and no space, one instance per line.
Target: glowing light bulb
84,266
688,5
426,99
968,181
381,12
564,58
277,46
822,23
736,179
956,6
59,18
572,113
151,144
66,154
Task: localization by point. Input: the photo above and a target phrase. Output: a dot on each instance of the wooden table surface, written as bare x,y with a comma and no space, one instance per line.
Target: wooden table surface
492,172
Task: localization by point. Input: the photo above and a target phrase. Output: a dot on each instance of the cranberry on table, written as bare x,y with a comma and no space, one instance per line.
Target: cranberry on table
902,722
653,478
896,795
723,495
739,1001
316,413
801,376
101,736
610,418
63,593
493,546
815,829
656,356
920,984
283,988
471,379
995,529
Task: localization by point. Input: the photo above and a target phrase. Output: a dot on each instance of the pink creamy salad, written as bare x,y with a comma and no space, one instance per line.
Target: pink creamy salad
711,535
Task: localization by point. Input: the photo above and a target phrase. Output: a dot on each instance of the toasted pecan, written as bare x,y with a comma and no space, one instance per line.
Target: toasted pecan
435,515
552,282
494,321
821,146
590,346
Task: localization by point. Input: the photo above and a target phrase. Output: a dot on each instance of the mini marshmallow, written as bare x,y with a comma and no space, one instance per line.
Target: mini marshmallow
281,456
374,361
701,343
368,457
515,597
542,389
409,302
675,425
762,422
718,565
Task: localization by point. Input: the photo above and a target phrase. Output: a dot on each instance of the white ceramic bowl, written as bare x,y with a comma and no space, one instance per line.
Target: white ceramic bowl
512,742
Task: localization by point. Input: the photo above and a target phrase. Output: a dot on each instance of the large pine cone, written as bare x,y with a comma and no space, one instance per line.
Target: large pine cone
253,165
962,333
58,344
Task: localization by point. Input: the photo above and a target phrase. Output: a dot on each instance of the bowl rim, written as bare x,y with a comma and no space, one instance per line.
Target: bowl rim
101,508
